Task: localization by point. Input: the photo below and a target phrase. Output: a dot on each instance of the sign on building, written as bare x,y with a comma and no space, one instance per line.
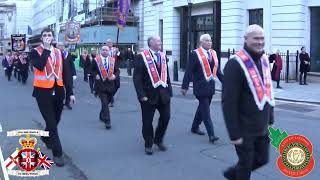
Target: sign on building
72,32
18,42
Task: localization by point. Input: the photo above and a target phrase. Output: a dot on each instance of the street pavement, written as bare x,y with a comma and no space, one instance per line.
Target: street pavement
118,154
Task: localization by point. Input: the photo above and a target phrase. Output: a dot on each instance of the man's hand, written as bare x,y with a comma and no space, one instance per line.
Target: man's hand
144,99
111,78
73,99
184,91
97,77
74,77
237,142
46,43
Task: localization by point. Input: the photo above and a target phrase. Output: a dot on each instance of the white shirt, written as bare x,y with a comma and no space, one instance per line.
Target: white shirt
52,54
206,52
105,60
154,55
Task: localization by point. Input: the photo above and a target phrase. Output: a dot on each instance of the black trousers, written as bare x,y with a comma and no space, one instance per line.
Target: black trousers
91,83
148,111
15,72
252,154
9,73
304,77
85,74
203,115
51,110
24,76
129,67
67,101
105,99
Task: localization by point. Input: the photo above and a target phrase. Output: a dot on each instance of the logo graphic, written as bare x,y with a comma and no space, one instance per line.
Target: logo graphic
72,33
30,161
295,158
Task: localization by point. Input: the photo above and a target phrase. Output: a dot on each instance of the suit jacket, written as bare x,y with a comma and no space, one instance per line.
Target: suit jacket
105,86
201,87
143,84
40,62
70,59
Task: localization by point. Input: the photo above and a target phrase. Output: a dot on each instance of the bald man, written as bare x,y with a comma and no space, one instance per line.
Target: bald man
204,78
247,103
106,72
152,82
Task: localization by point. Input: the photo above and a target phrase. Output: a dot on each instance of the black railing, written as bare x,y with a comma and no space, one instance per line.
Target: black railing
288,60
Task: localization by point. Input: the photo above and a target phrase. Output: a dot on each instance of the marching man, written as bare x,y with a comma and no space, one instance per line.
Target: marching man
115,53
203,68
247,103
152,83
52,77
106,72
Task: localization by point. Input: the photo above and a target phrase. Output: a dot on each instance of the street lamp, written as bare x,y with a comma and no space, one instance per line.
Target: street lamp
189,28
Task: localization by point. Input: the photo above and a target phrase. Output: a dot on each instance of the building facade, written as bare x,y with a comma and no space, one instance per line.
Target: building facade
288,24
15,17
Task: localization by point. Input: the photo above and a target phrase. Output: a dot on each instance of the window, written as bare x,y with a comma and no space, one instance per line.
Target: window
256,17
202,24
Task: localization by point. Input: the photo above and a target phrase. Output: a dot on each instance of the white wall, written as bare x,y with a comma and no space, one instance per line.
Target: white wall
44,14
288,24
24,16
233,22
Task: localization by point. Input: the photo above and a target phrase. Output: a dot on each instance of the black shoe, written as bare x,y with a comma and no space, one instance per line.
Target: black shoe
279,87
108,125
68,106
148,150
48,145
162,147
300,83
212,139
229,174
305,83
59,161
197,131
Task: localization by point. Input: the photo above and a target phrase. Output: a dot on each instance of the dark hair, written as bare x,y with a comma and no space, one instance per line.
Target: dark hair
47,30
302,47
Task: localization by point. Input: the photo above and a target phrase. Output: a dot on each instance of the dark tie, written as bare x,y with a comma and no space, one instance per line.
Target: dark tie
158,58
105,64
209,56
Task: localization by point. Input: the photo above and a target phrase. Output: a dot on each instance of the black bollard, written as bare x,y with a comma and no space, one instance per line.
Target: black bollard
175,71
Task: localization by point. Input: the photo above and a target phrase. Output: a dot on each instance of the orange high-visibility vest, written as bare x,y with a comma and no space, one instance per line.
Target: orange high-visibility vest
52,71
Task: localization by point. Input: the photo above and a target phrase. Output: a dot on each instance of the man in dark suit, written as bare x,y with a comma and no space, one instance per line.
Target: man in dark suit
152,83
247,104
88,65
69,58
115,53
51,79
23,67
203,68
7,64
106,72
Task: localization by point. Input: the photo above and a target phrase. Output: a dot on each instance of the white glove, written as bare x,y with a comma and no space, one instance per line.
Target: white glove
4,68
74,77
